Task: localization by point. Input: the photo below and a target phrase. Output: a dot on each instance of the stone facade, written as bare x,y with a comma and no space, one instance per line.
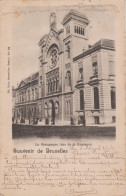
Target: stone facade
75,83
26,109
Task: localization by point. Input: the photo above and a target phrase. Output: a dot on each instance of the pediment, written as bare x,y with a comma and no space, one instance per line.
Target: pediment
22,83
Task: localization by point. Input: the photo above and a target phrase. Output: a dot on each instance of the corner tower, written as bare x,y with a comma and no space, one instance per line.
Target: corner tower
75,24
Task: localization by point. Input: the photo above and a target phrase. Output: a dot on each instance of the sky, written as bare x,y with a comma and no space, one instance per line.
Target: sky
29,27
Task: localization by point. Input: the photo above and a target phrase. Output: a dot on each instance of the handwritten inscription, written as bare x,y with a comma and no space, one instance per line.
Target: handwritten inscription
83,6
79,172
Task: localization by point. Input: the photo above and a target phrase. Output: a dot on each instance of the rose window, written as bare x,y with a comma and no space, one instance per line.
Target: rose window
54,57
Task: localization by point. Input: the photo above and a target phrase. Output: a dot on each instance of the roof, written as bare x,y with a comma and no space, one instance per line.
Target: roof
33,77
101,44
75,13
105,42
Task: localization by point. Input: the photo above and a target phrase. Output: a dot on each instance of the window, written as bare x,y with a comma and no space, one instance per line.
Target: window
46,110
54,57
52,81
113,98
96,119
56,108
68,51
113,119
67,109
111,68
36,93
67,29
75,29
95,68
68,78
53,85
111,64
22,96
96,98
28,95
79,30
81,100
81,73
32,94
83,32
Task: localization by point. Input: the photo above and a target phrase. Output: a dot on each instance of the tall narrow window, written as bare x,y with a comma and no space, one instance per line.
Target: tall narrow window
67,109
56,108
95,68
22,96
81,100
111,68
40,80
113,98
81,73
32,94
75,29
68,51
28,95
46,110
36,93
67,29
96,98
54,84
68,78
96,119
83,32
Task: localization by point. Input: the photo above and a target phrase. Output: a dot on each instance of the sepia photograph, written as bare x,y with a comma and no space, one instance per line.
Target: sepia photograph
64,73
62,102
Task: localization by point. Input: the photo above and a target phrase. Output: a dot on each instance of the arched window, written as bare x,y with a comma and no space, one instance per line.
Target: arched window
46,110
28,95
68,51
83,32
113,98
68,109
75,29
81,73
68,78
57,83
79,30
96,98
49,85
54,84
36,93
81,100
33,94
56,108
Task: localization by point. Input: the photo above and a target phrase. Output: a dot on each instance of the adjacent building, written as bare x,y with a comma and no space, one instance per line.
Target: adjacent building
75,83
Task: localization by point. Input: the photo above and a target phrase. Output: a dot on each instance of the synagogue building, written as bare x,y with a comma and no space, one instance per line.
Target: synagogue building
75,83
